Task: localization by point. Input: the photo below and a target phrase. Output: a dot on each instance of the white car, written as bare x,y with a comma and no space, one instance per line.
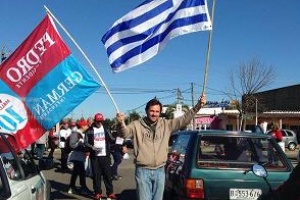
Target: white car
289,138
20,177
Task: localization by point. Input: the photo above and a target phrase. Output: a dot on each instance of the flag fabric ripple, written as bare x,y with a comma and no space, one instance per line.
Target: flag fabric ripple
144,31
40,83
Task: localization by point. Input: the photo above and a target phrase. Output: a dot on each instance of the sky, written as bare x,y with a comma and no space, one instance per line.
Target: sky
267,30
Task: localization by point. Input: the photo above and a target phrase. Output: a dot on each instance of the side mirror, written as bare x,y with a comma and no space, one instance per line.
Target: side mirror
259,171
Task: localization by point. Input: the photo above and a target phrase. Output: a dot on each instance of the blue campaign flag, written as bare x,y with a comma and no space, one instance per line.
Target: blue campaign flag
143,32
60,91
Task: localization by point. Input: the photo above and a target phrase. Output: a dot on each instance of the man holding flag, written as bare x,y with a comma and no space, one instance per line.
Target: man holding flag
132,40
151,136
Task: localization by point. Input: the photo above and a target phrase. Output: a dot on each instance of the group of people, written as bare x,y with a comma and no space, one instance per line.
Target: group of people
275,130
90,142
150,136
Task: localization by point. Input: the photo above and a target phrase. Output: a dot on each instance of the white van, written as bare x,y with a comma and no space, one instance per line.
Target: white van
21,178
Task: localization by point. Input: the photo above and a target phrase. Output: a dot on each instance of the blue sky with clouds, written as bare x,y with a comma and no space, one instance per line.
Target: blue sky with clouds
243,29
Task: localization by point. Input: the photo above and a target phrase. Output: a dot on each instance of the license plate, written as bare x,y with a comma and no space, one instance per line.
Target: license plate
245,194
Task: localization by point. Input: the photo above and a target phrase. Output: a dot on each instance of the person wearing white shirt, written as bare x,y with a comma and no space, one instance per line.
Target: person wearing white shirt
63,134
98,140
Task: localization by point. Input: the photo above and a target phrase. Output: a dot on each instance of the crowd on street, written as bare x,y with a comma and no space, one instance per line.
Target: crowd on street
86,148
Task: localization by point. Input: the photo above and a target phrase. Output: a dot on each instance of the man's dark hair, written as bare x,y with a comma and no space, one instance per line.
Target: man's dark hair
153,102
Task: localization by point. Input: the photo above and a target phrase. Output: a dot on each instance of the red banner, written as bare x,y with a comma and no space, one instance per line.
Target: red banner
42,50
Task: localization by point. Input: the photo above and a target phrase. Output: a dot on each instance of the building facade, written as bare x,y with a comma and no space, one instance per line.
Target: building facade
280,105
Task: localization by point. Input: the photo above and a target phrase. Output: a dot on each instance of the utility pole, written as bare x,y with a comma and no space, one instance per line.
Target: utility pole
178,96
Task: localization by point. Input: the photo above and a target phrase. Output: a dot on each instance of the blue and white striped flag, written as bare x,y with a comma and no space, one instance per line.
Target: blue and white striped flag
140,34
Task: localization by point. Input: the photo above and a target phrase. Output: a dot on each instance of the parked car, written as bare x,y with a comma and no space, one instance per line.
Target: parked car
289,138
20,177
221,169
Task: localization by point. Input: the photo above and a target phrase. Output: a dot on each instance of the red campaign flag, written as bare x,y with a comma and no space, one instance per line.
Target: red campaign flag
30,61
40,83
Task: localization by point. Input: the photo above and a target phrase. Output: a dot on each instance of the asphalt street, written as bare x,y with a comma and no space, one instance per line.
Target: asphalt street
123,188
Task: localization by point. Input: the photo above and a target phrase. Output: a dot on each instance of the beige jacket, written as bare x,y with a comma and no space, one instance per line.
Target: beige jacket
151,148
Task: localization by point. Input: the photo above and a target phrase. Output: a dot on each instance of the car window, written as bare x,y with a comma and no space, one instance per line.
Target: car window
180,144
284,133
18,165
238,152
289,133
172,139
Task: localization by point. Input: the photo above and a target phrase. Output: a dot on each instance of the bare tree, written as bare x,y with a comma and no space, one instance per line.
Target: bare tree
250,78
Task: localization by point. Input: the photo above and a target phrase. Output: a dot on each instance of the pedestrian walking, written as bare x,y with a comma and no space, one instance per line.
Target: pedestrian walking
40,145
98,140
63,134
277,135
118,149
78,157
151,136
52,141
276,132
258,129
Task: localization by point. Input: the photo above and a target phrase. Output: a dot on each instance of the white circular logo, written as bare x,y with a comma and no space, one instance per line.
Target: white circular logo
13,115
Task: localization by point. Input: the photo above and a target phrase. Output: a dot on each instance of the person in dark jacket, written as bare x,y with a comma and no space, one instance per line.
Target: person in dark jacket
98,140
78,157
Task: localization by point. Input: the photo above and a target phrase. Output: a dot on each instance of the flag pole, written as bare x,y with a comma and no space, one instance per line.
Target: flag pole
88,60
208,49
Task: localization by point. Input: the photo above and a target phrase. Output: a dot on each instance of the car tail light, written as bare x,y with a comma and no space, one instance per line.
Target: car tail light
194,188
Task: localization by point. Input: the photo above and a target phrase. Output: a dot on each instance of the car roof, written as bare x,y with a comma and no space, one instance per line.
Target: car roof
223,133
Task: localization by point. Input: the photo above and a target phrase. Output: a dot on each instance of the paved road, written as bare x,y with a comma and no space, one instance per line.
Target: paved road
123,188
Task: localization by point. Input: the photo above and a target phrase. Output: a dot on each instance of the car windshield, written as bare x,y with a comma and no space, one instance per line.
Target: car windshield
239,152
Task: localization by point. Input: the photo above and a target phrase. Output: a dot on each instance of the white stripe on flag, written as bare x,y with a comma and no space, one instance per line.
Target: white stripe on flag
136,40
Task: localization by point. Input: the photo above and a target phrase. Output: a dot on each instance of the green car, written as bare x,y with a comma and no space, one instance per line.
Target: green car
216,164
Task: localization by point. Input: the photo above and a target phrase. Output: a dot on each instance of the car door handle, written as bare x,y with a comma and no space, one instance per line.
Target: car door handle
33,190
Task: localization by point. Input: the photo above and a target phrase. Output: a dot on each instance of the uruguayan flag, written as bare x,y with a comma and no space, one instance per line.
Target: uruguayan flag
140,34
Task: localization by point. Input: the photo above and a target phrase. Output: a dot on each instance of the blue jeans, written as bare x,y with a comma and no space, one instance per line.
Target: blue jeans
150,183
